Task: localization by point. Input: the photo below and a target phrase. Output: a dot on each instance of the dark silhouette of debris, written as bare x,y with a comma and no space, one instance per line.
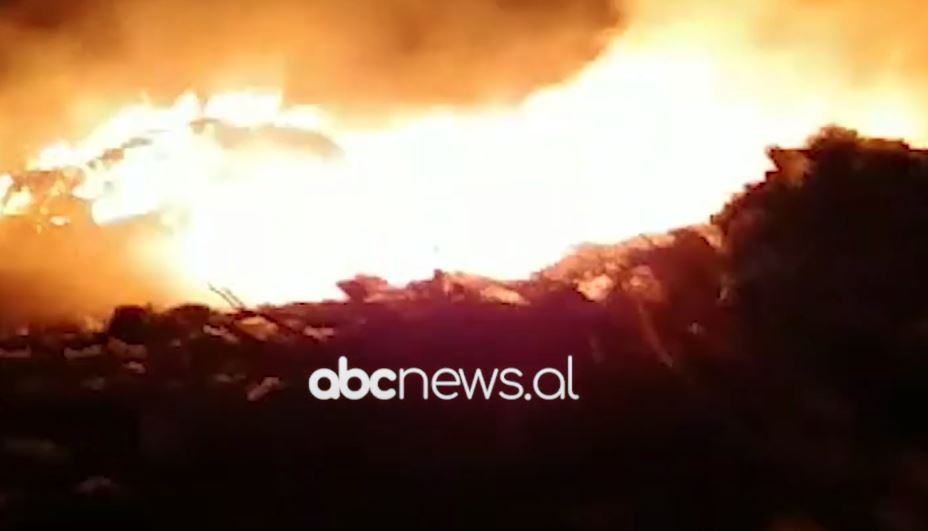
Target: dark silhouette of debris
762,373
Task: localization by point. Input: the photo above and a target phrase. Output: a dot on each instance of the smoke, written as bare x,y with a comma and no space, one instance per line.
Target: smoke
63,63
868,39
50,279
881,36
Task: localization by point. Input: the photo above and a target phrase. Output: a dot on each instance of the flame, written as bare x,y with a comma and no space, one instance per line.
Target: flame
16,202
655,134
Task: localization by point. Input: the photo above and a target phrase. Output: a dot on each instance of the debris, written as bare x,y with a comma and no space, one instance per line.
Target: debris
221,333
34,448
135,368
643,285
362,287
96,485
266,387
124,350
596,289
96,383
18,354
130,324
225,378
497,293
92,351
319,333
258,327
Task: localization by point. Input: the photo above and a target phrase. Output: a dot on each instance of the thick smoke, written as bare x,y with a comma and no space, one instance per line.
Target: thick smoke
868,37
63,62
874,37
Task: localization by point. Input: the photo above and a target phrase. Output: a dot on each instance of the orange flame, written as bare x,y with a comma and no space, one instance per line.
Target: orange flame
655,134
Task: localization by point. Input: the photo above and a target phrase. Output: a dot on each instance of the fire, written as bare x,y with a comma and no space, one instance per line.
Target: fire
277,202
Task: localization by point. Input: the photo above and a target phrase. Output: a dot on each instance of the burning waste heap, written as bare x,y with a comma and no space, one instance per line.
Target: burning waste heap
766,377
401,136
759,371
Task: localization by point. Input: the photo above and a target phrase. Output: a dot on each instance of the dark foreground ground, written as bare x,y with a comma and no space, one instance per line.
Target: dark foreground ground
772,380
179,434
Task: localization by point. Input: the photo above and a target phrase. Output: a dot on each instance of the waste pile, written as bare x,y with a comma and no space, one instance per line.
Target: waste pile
761,373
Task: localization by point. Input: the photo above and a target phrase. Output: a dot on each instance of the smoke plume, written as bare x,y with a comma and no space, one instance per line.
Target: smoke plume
69,60
64,64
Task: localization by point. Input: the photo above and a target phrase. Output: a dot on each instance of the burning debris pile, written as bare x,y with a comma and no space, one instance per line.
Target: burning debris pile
488,137
65,175
758,372
767,380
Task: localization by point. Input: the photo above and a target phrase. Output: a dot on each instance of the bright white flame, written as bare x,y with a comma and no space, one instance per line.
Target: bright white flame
655,134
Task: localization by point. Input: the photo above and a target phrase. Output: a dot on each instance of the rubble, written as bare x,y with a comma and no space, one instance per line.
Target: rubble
96,485
17,354
135,368
38,449
96,383
125,350
736,415
92,351
265,387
